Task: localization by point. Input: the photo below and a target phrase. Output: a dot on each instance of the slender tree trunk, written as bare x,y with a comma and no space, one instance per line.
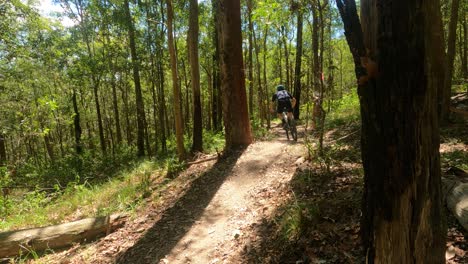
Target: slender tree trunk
286,55
175,82
316,115
402,209
261,111
161,84
464,60
115,104
297,69
264,99
250,59
102,139
197,145
447,89
217,102
3,156
140,108
235,109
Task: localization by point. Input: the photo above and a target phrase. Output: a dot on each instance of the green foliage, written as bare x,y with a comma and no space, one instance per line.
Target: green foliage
296,219
455,158
88,167
259,131
213,141
345,111
123,193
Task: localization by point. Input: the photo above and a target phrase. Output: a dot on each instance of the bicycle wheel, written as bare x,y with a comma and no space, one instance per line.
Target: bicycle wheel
293,129
286,126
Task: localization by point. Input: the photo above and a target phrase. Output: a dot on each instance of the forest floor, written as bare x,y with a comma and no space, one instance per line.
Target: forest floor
262,204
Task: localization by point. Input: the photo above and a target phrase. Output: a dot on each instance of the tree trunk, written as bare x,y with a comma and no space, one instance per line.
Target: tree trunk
316,112
217,101
250,58
264,99
297,69
175,86
235,110
464,60
447,88
197,145
261,112
3,157
102,139
115,104
140,108
402,210
286,55
58,236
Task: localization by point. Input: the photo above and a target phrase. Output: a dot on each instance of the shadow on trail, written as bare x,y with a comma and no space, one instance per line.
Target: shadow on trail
176,221
320,225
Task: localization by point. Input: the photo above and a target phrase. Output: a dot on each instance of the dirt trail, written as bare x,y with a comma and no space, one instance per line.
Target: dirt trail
234,206
205,221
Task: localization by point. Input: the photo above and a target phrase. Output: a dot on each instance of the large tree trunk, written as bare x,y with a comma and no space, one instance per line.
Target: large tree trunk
58,236
140,108
175,84
297,70
197,145
447,88
398,74
235,112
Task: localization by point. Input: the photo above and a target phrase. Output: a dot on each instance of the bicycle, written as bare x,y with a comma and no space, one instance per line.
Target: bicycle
289,125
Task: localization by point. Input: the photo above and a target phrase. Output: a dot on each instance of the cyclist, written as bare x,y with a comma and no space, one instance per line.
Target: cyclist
284,100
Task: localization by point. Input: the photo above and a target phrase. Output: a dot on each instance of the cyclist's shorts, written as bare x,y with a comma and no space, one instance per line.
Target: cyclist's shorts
284,104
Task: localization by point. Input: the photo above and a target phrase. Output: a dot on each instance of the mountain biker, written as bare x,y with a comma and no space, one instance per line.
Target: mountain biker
283,100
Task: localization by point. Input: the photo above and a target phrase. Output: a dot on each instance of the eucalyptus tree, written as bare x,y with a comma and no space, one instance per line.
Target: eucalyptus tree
235,109
197,144
81,11
175,83
297,7
402,213
140,109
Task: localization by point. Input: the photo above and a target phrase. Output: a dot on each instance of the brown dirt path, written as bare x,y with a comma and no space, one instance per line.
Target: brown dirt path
204,218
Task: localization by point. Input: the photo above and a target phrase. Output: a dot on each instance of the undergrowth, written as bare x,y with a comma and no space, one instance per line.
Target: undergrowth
88,185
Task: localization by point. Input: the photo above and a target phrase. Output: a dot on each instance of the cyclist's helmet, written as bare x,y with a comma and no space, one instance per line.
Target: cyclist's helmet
279,88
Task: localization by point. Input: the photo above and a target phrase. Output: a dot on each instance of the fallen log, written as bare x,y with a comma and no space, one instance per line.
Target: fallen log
456,197
13,243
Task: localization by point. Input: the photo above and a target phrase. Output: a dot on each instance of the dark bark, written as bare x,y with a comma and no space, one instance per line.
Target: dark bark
398,77
464,60
3,156
140,108
197,145
102,139
297,68
76,125
447,88
235,109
